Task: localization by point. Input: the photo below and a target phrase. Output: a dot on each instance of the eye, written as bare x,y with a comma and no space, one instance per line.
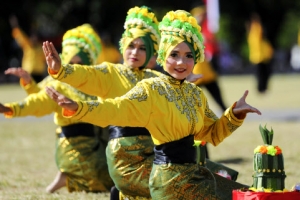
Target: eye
173,54
143,48
131,46
189,55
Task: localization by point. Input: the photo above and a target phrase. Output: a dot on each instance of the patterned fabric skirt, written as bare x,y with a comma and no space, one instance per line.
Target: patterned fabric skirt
189,181
83,160
130,161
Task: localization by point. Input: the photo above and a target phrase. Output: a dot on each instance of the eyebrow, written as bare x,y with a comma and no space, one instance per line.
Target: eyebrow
132,43
175,51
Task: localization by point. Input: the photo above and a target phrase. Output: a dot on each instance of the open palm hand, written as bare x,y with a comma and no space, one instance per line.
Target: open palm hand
61,100
242,108
52,57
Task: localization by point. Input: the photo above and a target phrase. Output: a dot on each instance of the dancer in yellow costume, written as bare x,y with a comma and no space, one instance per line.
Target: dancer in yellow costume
173,110
261,52
33,60
130,150
80,156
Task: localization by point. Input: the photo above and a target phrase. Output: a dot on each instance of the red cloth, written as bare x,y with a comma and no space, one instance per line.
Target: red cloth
210,41
238,195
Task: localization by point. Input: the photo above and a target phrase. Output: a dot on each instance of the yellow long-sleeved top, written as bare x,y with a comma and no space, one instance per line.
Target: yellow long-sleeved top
170,110
40,104
106,80
33,60
34,87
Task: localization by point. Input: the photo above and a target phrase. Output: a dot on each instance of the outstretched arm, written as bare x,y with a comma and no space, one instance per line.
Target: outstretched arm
4,109
61,100
52,57
242,108
19,72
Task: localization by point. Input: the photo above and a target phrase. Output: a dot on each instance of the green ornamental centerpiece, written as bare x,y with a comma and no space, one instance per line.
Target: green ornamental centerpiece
268,164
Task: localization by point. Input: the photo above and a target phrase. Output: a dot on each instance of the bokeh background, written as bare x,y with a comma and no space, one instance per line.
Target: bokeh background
52,18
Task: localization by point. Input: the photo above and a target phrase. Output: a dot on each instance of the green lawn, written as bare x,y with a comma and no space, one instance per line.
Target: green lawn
27,144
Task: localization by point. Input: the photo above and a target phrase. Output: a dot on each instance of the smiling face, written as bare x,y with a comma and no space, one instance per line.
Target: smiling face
135,53
180,62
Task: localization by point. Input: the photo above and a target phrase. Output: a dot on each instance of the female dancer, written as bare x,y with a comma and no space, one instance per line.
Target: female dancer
80,157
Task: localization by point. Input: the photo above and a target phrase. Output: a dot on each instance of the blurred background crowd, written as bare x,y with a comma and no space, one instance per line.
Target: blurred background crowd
48,20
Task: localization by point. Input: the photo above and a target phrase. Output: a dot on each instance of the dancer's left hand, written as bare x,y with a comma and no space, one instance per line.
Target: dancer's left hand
242,108
61,100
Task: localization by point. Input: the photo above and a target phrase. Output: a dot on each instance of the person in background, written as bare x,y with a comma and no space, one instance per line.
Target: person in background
33,60
295,52
175,111
260,52
209,67
80,155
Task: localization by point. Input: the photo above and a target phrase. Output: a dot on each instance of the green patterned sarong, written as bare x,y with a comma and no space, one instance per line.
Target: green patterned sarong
189,181
130,161
83,160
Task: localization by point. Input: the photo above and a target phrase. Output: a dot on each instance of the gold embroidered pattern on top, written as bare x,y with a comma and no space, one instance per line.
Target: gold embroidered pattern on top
188,106
92,105
102,68
69,69
209,113
129,74
149,74
212,115
137,93
231,126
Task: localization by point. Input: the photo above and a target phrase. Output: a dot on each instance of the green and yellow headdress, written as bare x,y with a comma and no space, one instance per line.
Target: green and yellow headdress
82,41
141,22
176,27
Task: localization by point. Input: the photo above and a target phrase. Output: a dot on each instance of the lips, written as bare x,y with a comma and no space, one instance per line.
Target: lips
180,70
133,59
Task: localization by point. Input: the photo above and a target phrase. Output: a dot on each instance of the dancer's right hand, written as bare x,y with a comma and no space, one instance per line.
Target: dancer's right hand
19,72
52,57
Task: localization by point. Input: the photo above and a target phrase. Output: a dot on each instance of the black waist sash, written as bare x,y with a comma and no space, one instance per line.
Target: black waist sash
74,130
180,151
116,131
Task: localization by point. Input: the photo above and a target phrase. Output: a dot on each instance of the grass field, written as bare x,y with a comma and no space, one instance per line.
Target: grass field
27,144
